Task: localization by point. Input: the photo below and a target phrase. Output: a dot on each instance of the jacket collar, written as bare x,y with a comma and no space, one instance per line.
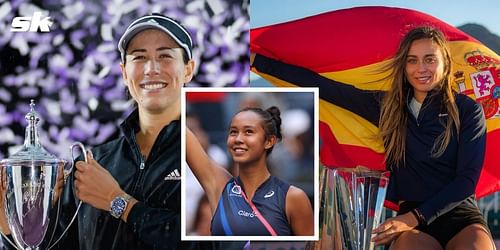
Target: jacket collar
431,97
130,126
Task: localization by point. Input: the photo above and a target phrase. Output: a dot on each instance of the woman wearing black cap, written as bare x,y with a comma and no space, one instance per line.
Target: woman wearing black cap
128,203
253,203
126,195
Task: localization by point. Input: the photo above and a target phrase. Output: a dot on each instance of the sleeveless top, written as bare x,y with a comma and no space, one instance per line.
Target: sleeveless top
235,217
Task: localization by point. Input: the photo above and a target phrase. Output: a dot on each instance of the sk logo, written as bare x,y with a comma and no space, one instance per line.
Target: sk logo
31,24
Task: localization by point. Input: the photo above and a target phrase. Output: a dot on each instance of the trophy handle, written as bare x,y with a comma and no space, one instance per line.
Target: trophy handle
82,148
67,173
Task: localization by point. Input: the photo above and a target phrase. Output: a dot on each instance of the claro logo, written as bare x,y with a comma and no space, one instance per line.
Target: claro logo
31,24
246,214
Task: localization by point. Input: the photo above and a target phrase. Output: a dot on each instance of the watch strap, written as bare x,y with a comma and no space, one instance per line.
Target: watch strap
126,197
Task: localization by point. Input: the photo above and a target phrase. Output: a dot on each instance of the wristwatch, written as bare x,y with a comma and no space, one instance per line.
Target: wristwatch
119,204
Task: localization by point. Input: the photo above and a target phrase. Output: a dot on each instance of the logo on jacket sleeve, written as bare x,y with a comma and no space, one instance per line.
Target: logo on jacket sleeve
174,175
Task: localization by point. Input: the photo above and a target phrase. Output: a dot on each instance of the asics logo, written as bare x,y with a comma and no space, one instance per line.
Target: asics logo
269,194
236,190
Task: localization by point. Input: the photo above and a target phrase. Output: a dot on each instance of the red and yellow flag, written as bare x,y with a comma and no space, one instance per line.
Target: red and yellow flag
352,46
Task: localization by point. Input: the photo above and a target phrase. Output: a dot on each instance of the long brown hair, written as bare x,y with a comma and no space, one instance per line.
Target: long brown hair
394,114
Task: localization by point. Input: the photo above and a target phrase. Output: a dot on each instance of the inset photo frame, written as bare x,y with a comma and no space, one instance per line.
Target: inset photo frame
251,164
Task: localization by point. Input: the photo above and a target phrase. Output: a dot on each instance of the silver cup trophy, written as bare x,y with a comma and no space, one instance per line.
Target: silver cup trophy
32,182
351,207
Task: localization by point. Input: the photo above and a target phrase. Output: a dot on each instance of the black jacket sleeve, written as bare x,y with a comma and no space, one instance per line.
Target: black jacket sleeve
365,103
471,150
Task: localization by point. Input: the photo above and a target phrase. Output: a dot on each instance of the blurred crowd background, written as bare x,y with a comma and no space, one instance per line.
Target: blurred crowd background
208,115
72,72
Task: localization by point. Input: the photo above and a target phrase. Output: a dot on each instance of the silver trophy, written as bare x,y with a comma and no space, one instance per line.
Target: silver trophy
32,181
351,207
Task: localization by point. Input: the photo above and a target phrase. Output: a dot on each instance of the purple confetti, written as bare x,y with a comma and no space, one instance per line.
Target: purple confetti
66,68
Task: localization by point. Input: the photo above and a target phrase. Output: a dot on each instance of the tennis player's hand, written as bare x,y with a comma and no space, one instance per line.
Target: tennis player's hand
393,227
95,185
4,226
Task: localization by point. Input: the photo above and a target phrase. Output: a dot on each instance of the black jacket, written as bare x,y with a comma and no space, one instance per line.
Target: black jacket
440,183
154,222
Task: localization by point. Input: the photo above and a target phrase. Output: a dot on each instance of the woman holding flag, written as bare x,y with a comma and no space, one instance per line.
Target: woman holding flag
434,141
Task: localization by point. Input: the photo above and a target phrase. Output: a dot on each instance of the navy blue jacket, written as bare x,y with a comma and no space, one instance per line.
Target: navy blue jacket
440,183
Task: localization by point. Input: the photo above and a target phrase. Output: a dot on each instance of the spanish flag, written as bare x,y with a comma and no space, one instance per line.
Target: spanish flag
352,46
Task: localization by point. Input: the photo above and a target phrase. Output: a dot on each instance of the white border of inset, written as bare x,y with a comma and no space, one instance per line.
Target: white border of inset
315,237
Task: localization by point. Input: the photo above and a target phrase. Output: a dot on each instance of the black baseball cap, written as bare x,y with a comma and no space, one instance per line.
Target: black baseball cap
160,22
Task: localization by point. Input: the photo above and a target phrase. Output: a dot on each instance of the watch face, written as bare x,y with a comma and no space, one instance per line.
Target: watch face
118,206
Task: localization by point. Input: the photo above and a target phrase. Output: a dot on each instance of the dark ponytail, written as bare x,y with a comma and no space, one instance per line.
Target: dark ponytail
275,115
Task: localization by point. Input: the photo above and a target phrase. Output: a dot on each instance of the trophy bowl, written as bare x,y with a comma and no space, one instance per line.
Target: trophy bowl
32,182
32,189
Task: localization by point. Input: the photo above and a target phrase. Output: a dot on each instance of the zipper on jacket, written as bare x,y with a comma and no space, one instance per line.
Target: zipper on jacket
410,113
423,108
141,171
141,167
142,164
138,153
